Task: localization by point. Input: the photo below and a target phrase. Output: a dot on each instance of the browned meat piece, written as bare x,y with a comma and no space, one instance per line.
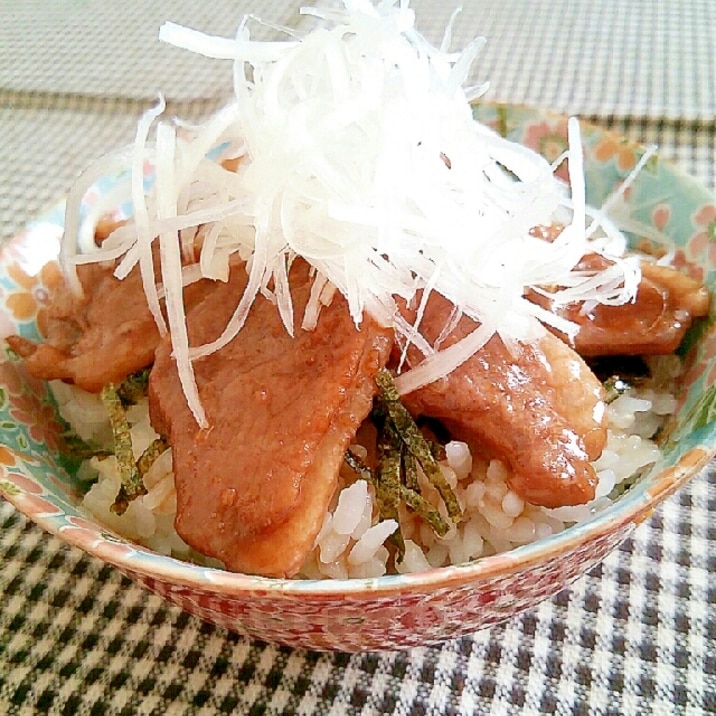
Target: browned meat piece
105,226
667,301
98,339
539,411
253,488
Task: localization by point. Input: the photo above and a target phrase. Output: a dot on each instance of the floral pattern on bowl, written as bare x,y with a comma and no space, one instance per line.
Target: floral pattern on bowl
673,213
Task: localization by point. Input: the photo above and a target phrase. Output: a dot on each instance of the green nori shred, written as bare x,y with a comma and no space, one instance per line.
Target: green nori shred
389,401
410,469
437,450
78,449
134,387
614,387
150,455
132,484
412,498
421,506
387,487
402,449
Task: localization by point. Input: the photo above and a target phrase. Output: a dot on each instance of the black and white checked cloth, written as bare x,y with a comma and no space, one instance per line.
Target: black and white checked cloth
637,635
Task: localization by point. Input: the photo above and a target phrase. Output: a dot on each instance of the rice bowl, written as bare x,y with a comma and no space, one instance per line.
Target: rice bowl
391,611
332,257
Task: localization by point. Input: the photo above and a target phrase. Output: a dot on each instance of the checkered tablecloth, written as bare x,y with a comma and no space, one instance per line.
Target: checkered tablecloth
637,635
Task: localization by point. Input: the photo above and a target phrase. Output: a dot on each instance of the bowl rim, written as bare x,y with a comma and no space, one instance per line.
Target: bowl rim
138,560
631,508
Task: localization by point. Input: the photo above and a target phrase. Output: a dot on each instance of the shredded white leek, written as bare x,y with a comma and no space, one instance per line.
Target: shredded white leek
141,213
359,153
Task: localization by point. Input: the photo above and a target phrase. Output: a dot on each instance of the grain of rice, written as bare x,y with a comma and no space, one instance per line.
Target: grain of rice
160,470
607,481
461,497
456,552
459,458
496,481
414,559
475,493
350,513
84,411
144,520
371,540
473,540
427,536
159,495
449,474
498,541
662,403
609,458
370,569
437,555
543,530
334,570
521,531
332,545
623,410
492,510
512,504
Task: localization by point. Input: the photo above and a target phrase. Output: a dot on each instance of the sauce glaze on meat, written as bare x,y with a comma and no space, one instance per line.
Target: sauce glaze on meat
95,339
538,409
253,489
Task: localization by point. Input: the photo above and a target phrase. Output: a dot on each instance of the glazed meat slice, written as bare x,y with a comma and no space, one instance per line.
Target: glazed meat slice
97,339
540,410
666,304
253,488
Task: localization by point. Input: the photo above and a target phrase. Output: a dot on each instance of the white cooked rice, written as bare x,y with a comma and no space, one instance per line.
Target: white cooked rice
352,540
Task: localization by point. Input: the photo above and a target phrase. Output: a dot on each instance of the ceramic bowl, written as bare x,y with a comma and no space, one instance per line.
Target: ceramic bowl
393,611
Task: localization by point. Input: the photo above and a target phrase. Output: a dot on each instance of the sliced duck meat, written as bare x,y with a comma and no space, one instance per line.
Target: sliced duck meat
538,408
254,487
665,306
97,339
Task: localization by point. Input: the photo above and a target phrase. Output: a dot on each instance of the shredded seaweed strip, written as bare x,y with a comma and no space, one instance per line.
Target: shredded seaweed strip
388,400
387,488
150,455
134,387
421,506
410,469
409,496
402,449
78,449
386,480
614,387
132,484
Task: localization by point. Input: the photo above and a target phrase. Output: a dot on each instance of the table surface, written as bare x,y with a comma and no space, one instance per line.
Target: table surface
635,635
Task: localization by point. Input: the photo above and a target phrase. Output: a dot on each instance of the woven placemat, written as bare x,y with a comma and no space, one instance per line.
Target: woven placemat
601,57
605,57
111,49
